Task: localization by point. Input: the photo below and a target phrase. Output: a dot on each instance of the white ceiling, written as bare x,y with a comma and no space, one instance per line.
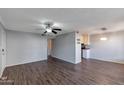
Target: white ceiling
69,19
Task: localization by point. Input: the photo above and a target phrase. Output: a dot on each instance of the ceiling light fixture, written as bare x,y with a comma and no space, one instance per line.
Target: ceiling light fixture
103,28
103,38
49,30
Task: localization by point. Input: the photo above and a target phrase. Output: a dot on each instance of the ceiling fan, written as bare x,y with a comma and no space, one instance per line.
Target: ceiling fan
50,28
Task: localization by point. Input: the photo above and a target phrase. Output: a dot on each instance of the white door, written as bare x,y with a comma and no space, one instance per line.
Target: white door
0,51
3,49
0,60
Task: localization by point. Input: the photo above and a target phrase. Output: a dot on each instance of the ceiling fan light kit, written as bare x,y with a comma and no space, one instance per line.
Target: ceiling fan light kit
49,28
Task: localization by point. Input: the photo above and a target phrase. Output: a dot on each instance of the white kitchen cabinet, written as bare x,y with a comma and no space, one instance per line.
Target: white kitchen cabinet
86,53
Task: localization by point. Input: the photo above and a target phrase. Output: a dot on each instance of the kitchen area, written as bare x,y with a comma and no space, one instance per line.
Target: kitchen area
85,48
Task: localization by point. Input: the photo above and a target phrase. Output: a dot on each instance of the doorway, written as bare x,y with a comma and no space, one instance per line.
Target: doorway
49,49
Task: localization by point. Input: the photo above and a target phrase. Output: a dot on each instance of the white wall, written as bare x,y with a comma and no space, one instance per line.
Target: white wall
64,47
25,47
109,50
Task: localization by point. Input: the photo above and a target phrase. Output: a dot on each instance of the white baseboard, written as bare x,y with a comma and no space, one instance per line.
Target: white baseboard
26,62
120,61
64,60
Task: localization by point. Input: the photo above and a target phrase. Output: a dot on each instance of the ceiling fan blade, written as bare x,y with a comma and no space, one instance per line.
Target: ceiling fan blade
45,32
57,29
54,32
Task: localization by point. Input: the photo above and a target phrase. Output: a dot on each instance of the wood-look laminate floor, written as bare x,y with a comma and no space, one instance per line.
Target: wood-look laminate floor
56,72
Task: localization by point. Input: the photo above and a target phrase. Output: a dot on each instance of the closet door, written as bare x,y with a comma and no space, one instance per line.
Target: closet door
0,51
3,49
